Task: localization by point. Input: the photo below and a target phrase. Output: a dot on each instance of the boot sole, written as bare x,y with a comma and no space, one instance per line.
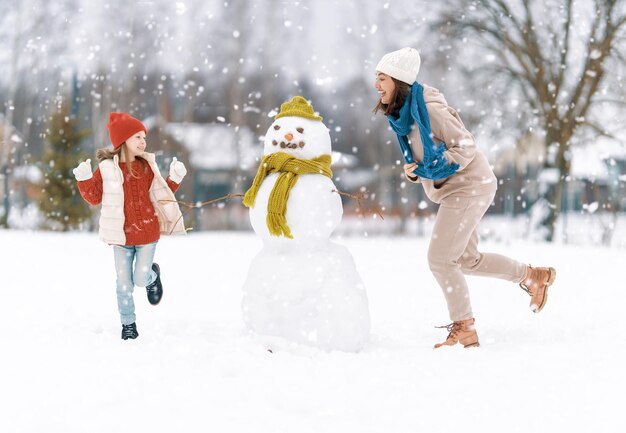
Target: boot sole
477,344
545,294
466,346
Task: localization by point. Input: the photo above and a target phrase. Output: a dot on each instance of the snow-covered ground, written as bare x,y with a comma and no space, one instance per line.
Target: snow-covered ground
64,368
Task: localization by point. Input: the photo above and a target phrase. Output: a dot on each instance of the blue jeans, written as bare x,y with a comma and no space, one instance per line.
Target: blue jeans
142,276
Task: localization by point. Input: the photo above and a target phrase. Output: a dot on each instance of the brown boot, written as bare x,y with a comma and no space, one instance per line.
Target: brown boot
460,332
536,285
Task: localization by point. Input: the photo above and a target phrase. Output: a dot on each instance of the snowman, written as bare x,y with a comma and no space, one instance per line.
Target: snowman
301,287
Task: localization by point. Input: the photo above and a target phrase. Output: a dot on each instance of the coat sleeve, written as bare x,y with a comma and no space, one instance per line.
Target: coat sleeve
418,153
91,189
173,185
415,179
447,125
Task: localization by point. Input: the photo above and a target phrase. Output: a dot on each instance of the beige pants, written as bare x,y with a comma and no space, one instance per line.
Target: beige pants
453,252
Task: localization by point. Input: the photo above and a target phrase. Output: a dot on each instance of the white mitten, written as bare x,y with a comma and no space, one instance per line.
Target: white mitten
177,170
83,171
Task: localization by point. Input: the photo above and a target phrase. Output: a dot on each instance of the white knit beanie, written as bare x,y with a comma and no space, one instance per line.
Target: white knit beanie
402,65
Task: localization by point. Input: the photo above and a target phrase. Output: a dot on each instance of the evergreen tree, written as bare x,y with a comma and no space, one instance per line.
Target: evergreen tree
60,200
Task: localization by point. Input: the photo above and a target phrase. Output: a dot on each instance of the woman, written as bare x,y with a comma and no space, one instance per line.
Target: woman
442,155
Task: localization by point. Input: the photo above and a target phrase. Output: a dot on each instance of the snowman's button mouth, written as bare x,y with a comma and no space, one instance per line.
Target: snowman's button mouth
290,145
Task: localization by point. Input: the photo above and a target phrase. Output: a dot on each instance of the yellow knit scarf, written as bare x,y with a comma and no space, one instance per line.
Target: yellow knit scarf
289,168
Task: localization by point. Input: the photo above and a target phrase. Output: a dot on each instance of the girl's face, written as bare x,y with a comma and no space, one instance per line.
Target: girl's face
385,86
136,144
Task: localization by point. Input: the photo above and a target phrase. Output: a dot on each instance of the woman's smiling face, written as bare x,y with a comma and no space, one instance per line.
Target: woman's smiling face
385,86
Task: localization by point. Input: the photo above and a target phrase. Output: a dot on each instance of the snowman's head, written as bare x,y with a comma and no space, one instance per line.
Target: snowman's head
297,131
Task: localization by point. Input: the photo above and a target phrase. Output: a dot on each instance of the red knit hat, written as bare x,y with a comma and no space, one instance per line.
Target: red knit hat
122,126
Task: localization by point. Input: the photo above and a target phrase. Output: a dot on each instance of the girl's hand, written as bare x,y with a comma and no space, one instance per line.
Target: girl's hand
177,170
83,171
408,171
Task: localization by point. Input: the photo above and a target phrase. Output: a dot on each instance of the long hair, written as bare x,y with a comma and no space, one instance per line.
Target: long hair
107,153
397,99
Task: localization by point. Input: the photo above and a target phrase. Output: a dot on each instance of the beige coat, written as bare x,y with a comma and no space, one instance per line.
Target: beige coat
168,213
475,176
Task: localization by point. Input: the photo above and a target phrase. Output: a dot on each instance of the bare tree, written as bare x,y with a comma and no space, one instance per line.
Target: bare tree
556,55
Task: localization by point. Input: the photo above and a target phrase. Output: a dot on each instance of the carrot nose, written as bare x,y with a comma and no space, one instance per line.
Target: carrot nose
288,136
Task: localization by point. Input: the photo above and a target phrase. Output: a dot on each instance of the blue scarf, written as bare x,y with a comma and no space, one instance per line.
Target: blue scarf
434,165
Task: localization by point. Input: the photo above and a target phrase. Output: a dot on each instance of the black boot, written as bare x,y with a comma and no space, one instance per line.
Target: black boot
129,331
155,290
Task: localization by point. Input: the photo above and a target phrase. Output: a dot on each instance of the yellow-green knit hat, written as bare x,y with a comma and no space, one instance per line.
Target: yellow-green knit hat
298,107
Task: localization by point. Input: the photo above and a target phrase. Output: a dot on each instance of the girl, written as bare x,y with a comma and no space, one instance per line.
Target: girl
137,205
442,155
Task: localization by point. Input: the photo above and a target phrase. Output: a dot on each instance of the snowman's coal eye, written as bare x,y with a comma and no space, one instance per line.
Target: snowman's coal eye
300,130
276,127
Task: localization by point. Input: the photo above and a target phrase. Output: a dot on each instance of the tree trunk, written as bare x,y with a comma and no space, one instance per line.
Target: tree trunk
555,195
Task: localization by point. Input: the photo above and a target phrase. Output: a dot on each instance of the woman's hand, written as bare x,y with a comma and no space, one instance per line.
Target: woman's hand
83,171
409,169
177,170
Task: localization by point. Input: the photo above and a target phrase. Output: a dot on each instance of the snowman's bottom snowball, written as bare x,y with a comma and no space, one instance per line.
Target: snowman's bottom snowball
309,294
